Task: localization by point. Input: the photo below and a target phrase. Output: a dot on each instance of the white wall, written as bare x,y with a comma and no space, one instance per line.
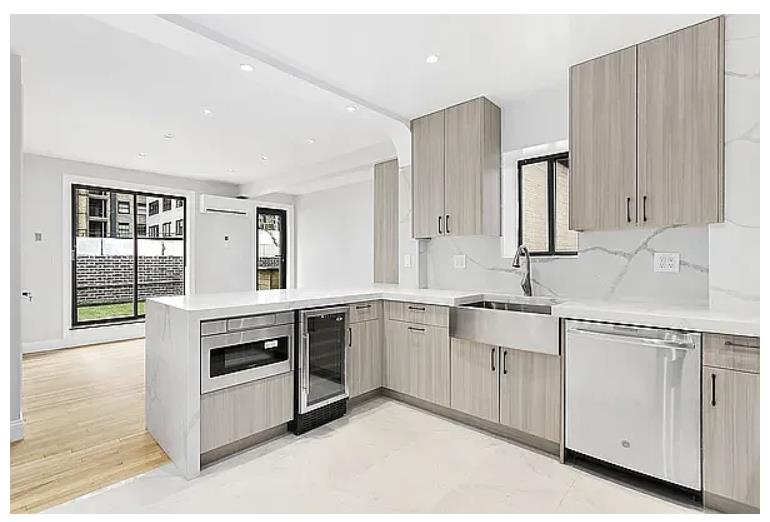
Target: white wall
734,244
43,211
14,207
334,237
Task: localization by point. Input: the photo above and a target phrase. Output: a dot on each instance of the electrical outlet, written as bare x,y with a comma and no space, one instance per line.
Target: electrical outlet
38,236
407,261
459,261
666,262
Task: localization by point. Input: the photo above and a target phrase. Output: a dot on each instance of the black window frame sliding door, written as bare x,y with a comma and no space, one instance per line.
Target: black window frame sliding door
136,316
284,247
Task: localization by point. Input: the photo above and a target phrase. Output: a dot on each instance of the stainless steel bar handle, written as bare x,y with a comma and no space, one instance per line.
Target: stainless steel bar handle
505,362
628,210
740,345
493,358
447,224
417,308
713,389
350,336
418,330
644,208
362,307
305,366
657,343
439,226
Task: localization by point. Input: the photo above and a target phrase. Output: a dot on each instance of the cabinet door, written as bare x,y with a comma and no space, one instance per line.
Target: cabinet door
530,393
681,127
397,361
386,222
429,354
731,434
462,169
365,357
602,139
475,379
428,176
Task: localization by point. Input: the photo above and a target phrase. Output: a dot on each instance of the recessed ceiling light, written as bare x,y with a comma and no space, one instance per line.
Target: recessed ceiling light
168,136
264,158
142,154
310,141
247,67
207,112
351,108
433,58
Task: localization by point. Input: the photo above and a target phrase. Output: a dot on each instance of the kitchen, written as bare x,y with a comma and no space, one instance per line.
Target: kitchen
571,297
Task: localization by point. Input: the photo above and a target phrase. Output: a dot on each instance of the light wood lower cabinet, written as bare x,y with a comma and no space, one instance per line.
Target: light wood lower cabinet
731,434
364,360
234,413
417,360
475,380
530,393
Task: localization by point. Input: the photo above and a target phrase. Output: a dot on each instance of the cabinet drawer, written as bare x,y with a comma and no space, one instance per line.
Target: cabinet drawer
365,311
734,352
231,414
417,313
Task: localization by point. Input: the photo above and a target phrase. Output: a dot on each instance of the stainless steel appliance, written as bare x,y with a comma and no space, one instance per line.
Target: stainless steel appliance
242,349
320,380
633,399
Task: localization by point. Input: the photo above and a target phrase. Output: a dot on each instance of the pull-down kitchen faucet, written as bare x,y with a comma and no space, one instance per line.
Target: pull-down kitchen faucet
526,280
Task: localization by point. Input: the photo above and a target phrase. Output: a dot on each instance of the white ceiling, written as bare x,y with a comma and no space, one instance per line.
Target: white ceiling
104,88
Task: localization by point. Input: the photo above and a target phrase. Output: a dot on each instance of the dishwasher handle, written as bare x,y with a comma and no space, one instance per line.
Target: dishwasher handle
688,344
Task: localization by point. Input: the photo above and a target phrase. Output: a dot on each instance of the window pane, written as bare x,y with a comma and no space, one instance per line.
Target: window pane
271,251
566,239
104,265
534,206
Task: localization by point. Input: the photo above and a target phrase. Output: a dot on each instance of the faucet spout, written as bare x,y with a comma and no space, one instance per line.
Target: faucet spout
526,280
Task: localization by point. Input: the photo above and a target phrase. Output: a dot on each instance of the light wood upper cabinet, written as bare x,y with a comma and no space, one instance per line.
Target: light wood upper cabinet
386,222
364,358
428,175
731,434
456,175
475,379
530,393
681,140
647,133
603,142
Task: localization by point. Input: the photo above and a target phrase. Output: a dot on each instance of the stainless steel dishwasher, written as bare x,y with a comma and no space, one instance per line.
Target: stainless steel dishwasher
633,399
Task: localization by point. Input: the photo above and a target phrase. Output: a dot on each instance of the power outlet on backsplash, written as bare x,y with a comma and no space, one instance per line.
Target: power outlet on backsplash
459,261
665,262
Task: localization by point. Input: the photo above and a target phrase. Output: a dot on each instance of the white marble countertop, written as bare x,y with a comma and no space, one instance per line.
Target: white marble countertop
700,319
694,318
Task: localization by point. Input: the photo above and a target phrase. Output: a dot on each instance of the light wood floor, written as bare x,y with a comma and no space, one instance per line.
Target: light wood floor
83,424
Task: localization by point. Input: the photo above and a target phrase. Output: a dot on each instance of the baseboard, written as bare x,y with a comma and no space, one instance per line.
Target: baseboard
85,337
17,429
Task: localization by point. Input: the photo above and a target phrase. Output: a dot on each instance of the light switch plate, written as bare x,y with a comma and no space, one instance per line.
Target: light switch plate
666,262
407,261
459,261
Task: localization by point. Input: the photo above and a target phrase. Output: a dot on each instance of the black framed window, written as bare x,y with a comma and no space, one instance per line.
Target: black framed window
271,248
543,192
116,266
166,204
179,203
179,227
154,207
166,229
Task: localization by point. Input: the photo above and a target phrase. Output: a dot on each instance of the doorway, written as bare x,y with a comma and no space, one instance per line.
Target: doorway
271,248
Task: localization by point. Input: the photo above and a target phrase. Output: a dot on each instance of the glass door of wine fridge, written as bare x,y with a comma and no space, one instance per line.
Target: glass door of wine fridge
322,358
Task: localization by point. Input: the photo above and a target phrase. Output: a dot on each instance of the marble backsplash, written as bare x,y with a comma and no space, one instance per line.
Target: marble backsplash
610,265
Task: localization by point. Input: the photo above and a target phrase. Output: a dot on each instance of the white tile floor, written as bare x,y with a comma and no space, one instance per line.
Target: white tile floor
384,456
